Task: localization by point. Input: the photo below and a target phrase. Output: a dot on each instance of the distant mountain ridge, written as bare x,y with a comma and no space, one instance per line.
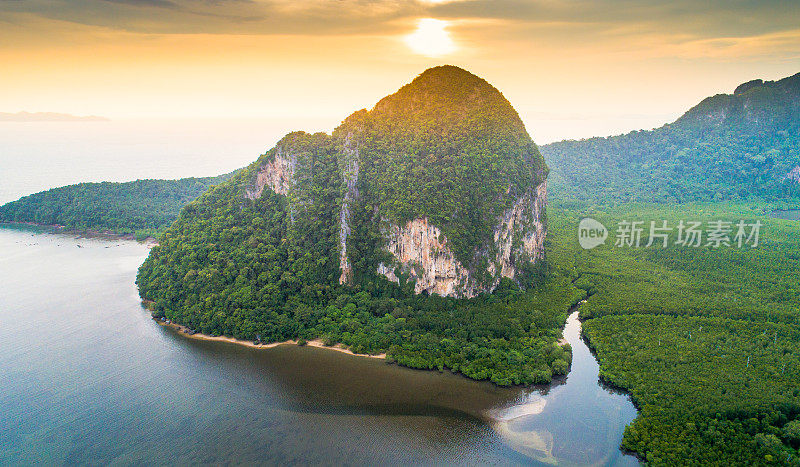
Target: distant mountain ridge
744,145
757,102
48,117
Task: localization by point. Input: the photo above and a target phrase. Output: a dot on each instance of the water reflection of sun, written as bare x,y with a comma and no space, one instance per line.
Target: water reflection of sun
431,38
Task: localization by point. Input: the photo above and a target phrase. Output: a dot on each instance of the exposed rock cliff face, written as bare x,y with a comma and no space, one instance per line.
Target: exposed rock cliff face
794,174
419,249
520,233
422,252
350,175
533,241
388,272
277,174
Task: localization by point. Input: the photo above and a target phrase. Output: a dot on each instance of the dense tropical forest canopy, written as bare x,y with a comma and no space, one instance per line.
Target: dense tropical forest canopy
707,340
740,146
142,207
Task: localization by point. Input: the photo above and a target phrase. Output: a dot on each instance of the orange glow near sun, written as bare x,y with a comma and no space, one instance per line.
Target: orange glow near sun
431,38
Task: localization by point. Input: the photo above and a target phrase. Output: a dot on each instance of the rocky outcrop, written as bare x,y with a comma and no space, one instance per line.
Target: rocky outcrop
794,174
520,233
388,272
319,176
533,241
277,174
423,254
350,168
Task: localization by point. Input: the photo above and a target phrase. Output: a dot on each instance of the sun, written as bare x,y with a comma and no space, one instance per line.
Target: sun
431,38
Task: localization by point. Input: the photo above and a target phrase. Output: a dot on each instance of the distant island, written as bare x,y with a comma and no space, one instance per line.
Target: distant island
415,229
48,117
143,208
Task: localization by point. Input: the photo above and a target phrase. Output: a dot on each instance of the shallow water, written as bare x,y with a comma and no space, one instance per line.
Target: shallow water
577,422
88,377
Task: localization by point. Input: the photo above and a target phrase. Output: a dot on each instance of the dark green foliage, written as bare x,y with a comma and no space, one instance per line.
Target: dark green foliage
507,337
675,326
144,207
709,389
791,433
728,147
742,283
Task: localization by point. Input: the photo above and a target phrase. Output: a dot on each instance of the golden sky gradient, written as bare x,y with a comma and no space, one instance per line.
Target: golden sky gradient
571,68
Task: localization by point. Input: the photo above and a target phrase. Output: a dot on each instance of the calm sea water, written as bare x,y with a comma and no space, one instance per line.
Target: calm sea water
88,377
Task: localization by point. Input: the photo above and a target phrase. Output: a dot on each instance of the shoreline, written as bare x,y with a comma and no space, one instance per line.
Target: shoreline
187,333
109,235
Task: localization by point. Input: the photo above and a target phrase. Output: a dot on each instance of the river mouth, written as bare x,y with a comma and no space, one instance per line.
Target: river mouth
575,421
90,378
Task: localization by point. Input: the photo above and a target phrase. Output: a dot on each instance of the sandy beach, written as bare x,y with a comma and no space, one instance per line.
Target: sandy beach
185,332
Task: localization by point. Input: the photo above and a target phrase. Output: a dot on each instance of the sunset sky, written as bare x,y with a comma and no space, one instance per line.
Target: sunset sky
571,68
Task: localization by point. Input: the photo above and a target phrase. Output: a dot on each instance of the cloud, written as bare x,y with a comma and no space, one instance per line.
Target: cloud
780,45
714,17
147,3
260,17
683,27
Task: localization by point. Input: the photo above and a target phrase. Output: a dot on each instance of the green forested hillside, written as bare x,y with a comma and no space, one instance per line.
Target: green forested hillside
707,340
144,207
448,147
729,147
243,268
